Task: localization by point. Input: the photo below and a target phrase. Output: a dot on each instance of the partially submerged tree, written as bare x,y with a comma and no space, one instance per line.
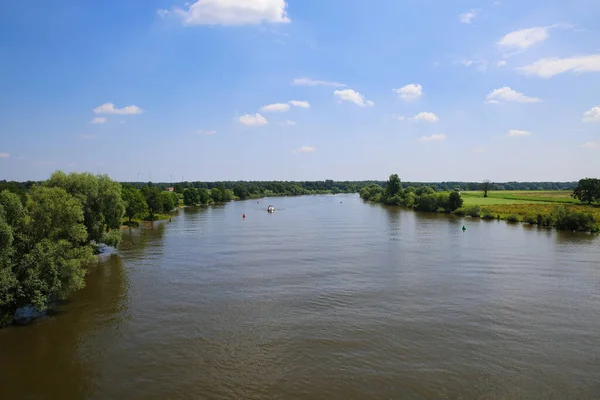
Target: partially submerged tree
43,249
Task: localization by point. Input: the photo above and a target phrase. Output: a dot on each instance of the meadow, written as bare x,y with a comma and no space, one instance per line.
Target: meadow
504,204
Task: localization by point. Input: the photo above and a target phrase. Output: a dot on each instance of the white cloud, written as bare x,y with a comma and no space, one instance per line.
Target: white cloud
548,67
87,136
467,63
353,97
109,108
592,115
162,13
71,164
253,120
508,94
4,155
288,123
234,12
399,117
410,92
501,63
591,145
98,120
433,138
524,38
311,82
299,103
518,132
467,18
426,116
277,107
479,150
305,149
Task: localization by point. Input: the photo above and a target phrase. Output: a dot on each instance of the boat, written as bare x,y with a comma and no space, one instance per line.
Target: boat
271,209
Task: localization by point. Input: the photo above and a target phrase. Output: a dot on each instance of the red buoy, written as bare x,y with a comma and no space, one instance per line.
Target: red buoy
244,216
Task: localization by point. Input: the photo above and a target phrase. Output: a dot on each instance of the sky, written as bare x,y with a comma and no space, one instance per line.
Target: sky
211,90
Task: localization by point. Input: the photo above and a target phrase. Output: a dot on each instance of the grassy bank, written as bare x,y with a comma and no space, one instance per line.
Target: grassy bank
523,206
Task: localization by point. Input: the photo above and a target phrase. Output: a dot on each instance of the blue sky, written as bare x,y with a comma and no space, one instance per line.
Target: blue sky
349,90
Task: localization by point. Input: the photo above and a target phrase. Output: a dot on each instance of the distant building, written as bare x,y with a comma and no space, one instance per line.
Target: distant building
170,189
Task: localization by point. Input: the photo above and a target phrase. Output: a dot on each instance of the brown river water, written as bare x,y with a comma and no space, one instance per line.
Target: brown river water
327,298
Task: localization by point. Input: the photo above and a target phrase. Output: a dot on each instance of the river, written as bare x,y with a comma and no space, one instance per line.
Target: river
328,298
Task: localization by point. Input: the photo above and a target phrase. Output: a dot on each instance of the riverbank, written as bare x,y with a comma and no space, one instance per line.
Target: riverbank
532,207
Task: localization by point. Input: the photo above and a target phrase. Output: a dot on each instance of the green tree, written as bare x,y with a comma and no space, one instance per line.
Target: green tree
112,205
135,203
485,187
191,197
49,254
427,202
100,197
226,195
178,188
203,196
454,201
216,195
153,196
241,191
587,190
393,186
168,202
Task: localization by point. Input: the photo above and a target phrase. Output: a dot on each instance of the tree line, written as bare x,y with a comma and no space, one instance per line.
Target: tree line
270,188
422,198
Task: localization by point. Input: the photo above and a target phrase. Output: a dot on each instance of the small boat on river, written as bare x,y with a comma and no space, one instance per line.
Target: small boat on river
271,209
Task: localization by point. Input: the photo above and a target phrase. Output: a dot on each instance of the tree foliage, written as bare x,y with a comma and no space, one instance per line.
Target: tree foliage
485,187
135,203
44,248
191,197
393,186
587,190
421,198
100,197
154,200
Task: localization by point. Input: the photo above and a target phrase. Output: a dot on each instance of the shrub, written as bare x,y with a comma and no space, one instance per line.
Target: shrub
512,218
487,215
440,210
460,211
112,238
574,221
427,202
540,219
530,219
473,211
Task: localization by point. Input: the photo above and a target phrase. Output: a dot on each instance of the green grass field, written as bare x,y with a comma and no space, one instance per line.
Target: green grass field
519,197
523,203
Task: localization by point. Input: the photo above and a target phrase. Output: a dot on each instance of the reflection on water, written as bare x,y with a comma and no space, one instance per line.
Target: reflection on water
322,299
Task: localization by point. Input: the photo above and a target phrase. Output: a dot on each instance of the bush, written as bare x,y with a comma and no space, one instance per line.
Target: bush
566,219
512,218
530,219
112,238
460,211
440,210
473,211
427,202
488,215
